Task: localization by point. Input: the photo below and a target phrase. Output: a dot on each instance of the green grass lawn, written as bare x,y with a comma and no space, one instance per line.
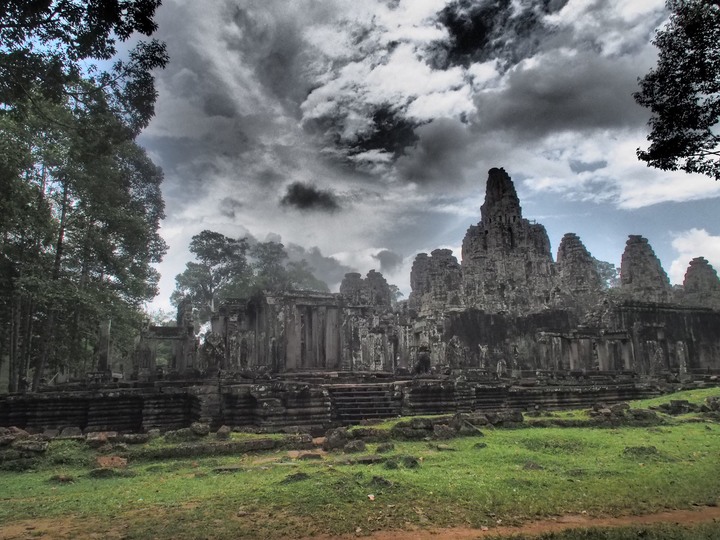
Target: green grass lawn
520,474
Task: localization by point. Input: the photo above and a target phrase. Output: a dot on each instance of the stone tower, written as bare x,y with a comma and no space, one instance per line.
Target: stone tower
701,286
579,283
371,291
436,282
506,259
641,275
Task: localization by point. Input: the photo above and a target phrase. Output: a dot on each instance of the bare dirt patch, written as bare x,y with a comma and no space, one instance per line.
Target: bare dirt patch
701,514
71,527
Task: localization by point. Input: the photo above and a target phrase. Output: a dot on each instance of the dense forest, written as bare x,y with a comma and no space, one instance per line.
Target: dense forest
81,201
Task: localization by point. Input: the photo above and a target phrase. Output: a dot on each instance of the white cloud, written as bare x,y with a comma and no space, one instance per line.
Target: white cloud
449,104
483,73
690,244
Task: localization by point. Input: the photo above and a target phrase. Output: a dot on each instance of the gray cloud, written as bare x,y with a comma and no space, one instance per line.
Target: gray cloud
329,269
479,31
396,109
439,155
560,93
229,206
389,260
308,197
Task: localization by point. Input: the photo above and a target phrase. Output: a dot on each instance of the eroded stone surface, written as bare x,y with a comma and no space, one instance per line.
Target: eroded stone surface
371,291
579,282
701,286
436,282
642,276
506,261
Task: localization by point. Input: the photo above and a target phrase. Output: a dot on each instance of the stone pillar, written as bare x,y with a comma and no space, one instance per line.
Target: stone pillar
103,358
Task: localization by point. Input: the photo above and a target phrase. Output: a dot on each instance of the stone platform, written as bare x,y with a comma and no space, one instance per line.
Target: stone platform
317,403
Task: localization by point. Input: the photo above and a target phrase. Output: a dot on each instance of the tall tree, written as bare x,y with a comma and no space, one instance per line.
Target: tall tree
83,252
683,91
221,271
81,200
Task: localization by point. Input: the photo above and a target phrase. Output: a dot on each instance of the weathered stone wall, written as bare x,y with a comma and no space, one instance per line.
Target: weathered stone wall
668,337
302,331
276,405
499,343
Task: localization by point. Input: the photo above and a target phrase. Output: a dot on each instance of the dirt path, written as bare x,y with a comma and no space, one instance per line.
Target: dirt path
71,528
700,514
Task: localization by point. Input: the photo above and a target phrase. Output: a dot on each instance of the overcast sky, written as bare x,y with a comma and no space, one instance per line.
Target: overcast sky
360,133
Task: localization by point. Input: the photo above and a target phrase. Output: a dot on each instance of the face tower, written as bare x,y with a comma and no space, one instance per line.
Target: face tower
507,265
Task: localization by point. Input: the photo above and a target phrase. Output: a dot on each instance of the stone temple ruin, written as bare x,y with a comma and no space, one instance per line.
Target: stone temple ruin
508,327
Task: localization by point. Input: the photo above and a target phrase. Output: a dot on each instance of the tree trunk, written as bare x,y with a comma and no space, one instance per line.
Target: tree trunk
15,326
49,329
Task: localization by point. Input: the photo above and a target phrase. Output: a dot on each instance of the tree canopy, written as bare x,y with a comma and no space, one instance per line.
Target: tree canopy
683,91
81,204
235,268
47,50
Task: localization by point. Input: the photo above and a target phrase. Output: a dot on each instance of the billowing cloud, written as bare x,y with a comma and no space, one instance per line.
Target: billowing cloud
440,154
563,91
308,197
389,260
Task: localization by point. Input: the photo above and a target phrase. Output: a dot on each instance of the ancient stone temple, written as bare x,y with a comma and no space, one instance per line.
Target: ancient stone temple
508,307
505,327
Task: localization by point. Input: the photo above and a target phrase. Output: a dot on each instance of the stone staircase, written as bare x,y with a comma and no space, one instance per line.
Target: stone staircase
490,398
355,402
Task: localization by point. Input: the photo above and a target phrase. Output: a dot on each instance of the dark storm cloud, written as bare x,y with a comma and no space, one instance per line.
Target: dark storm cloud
577,93
218,104
308,197
329,269
390,132
479,31
439,155
389,260
582,166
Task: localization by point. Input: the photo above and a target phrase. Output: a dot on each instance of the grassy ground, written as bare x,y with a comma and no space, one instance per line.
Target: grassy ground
506,476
